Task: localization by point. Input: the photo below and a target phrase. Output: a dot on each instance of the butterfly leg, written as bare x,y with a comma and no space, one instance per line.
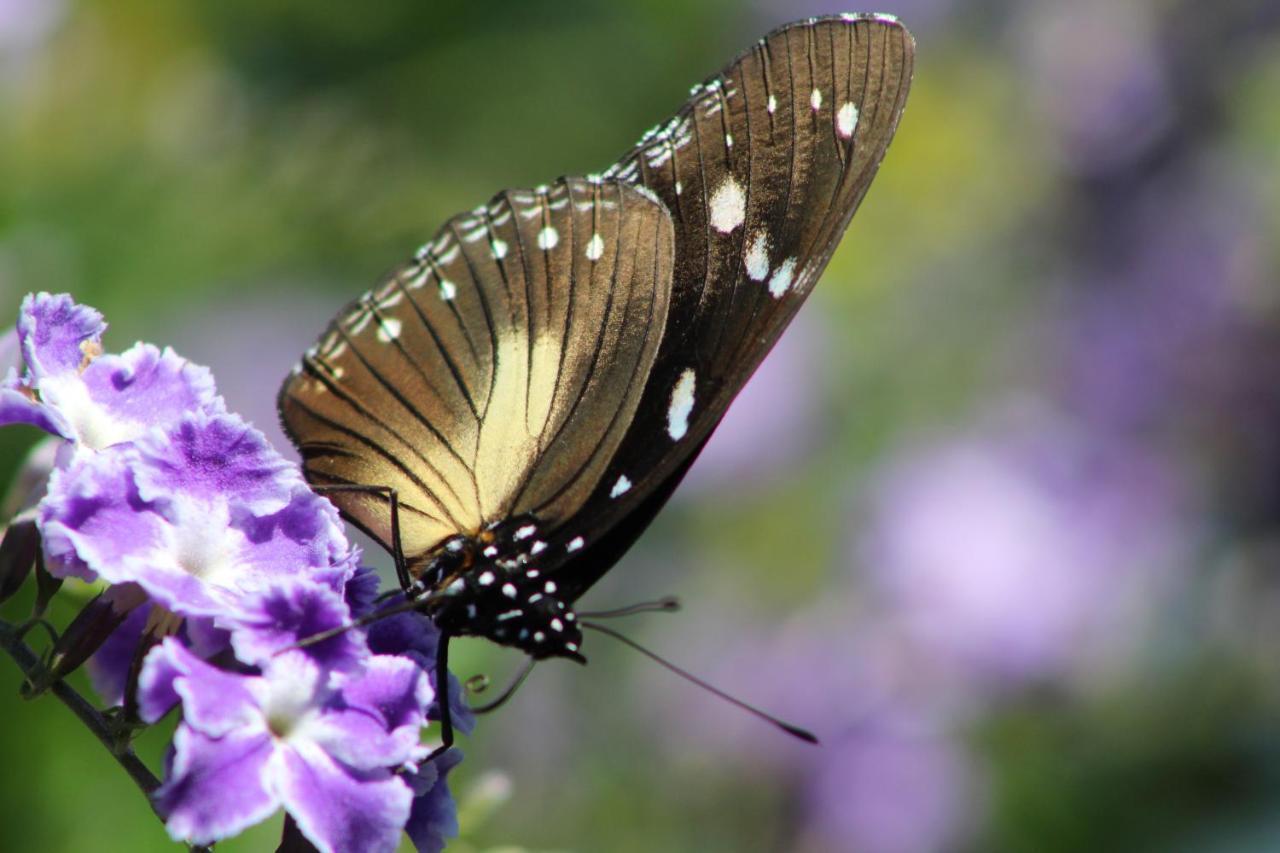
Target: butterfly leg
393,499
442,696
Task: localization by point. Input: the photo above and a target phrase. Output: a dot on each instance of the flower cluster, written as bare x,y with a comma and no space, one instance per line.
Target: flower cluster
219,560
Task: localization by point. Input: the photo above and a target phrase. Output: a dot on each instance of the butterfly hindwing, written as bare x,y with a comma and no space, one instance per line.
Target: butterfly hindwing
761,169
497,372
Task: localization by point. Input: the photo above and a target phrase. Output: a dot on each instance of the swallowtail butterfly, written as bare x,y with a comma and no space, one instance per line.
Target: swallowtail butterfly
507,412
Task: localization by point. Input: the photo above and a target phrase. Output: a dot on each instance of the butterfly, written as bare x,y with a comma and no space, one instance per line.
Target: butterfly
508,411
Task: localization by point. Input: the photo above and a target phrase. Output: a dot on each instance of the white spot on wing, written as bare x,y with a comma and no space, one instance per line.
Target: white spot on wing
681,405
574,544
525,532
595,247
509,590
485,578
847,119
728,206
447,290
782,278
499,249
757,256
772,105
815,100
620,487
547,238
388,329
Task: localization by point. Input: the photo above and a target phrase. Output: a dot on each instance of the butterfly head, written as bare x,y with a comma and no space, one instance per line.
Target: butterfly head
503,596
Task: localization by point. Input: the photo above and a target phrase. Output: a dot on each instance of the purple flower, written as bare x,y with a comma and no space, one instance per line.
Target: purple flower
287,611
207,534
892,784
199,516
1099,74
415,636
1025,551
434,816
324,746
95,401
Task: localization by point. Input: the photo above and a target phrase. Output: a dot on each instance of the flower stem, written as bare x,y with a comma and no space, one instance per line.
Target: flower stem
31,667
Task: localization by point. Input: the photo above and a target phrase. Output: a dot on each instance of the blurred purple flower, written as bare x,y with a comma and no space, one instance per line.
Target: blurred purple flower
1026,550
26,24
1168,322
1097,71
892,784
324,747
890,774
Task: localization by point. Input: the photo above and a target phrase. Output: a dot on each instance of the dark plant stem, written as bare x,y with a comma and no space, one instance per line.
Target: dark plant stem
29,662
31,667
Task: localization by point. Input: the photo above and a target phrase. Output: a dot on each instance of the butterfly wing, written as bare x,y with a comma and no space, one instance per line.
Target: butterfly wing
761,169
496,373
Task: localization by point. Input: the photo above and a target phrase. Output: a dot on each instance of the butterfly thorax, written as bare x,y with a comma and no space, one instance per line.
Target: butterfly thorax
490,586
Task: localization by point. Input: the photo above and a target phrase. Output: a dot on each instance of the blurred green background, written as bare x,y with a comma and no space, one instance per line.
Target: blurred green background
999,519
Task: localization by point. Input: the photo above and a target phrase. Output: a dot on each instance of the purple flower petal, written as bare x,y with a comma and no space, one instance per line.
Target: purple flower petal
391,693
216,786
190,535
110,665
17,407
434,816
362,591
214,457
338,811
118,398
416,637
214,702
288,611
97,401
57,335
89,518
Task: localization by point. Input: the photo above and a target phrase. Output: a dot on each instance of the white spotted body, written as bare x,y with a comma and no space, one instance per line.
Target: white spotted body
492,586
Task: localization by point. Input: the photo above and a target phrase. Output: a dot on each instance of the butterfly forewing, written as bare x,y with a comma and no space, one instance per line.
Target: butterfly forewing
496,373
762,169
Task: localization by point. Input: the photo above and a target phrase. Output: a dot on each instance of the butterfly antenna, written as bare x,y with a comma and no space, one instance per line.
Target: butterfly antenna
666,604
508,691
794,731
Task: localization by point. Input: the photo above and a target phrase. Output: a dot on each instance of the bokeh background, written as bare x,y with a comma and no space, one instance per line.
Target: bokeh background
999,519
